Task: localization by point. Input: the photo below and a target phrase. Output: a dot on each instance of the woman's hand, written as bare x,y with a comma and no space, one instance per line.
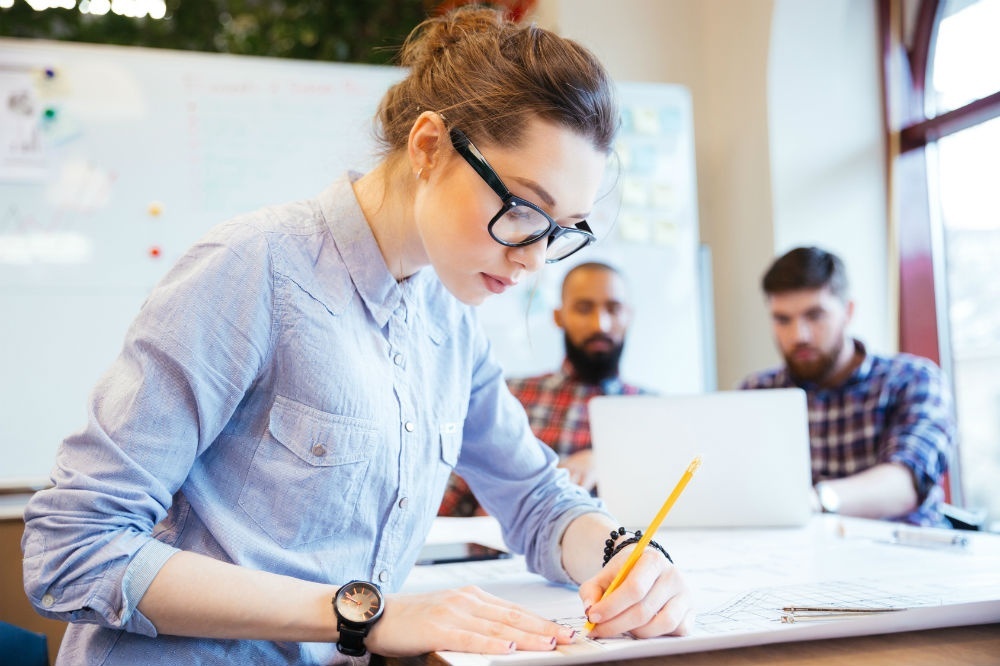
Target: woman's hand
653,600
464,620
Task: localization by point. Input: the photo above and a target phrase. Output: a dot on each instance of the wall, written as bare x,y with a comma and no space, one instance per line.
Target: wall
824,92
787,140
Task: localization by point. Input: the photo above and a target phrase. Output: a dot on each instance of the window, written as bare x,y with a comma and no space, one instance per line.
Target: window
943,104
965,63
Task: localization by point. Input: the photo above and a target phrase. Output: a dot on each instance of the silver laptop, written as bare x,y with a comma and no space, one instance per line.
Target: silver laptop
754,445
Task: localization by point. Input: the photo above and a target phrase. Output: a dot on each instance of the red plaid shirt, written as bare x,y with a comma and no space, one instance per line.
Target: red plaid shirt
556,404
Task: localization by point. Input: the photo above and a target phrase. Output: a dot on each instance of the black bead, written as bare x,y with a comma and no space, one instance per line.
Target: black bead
621,531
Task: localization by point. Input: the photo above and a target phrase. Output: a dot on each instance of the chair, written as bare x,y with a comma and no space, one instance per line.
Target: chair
20,647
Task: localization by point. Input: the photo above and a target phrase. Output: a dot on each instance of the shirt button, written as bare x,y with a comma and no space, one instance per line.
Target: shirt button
383,576
398,359
318,450
403,503
48,600
409,426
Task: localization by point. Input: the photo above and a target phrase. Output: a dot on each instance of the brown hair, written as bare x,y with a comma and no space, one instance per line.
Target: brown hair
806,268
488,76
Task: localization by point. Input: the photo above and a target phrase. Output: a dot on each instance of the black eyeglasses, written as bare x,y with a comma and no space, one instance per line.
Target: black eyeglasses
520,222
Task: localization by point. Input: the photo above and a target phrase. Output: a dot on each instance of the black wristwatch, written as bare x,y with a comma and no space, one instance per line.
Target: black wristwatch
358,606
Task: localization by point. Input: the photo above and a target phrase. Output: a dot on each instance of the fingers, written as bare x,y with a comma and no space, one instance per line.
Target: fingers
580,468
461,640
653,600
574,474
582,477
496,635
495,616
592,589
466,620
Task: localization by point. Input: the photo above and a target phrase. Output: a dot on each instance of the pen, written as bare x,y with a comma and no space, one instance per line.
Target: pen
647,536
792,614
928,539
792,618
835,609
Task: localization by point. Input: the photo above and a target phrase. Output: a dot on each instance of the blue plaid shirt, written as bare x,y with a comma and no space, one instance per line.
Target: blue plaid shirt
891,409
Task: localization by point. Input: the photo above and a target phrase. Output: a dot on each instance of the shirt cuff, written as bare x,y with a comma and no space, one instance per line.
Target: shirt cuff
548,559
138,577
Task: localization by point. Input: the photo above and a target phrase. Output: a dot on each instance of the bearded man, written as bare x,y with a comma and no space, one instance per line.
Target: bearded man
881,428
594,315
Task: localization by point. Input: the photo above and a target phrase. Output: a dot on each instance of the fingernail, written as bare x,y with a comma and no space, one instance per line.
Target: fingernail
567,632
586,609
552,642
593,618
512,647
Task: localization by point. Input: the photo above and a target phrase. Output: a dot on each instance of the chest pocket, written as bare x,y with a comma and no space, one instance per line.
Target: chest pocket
451,443
307,472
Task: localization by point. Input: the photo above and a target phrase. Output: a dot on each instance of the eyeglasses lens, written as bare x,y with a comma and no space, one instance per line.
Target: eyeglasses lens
565,245
520,225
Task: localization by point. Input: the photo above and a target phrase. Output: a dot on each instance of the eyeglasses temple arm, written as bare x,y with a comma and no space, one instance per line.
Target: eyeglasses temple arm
471,154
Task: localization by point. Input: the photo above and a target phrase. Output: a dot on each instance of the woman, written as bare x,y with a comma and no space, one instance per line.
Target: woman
292,397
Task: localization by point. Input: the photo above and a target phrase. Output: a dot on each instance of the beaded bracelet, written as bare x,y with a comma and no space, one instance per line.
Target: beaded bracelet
611,548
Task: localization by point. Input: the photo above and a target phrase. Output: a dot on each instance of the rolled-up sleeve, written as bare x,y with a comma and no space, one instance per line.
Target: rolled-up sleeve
921,427
89,547
514,475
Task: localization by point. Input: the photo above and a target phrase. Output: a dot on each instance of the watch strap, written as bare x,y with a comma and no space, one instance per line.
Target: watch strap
352,639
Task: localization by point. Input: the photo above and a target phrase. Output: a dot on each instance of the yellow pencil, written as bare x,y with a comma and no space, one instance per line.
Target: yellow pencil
647,536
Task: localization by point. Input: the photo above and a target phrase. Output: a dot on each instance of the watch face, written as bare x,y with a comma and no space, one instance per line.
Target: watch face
359,602
828,498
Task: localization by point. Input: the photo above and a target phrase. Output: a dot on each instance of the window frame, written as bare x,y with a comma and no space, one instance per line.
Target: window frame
908,32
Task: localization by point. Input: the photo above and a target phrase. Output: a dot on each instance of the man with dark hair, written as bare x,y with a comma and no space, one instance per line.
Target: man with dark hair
881,428
594,316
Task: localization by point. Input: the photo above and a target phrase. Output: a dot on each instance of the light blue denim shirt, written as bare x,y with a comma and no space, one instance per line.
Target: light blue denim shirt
281,402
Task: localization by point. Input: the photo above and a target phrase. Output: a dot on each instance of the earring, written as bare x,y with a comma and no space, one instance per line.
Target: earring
420,172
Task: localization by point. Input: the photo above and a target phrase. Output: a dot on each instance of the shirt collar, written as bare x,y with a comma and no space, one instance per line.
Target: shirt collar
864,369
859,375
359,250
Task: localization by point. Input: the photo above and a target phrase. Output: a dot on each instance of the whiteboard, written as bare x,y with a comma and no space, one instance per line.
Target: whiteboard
113,160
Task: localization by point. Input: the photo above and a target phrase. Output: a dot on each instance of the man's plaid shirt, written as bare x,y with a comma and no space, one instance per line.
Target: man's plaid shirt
891,409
